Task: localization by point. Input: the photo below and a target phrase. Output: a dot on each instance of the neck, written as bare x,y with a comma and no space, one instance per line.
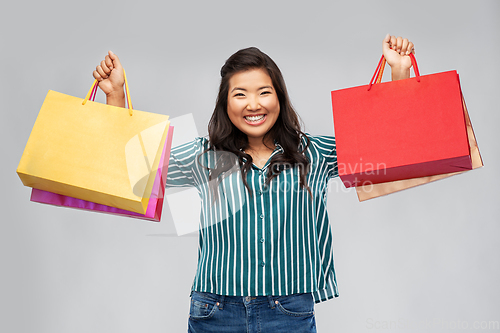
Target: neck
258,144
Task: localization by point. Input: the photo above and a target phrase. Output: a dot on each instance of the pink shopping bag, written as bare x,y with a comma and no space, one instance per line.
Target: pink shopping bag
153,212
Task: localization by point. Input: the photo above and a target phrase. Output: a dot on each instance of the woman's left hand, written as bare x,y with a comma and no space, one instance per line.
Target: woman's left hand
396,51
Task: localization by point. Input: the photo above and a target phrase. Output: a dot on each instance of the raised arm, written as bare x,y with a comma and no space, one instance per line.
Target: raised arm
396,51
109,74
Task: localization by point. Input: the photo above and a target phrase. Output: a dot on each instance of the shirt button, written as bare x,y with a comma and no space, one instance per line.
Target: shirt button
263,264
261,216
259,192
262,240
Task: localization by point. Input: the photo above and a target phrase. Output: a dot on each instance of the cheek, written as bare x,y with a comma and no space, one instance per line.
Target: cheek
234,113
235,106
272,105
231,110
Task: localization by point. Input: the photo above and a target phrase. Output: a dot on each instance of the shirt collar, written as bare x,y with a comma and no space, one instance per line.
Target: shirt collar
277,150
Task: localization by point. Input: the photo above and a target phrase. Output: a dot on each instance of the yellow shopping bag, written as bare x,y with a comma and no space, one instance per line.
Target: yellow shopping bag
95,152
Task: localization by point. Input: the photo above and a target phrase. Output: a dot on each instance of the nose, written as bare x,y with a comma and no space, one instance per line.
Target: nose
253,104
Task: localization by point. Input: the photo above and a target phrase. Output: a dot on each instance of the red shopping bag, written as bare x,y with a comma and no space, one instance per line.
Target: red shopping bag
155,204
401,129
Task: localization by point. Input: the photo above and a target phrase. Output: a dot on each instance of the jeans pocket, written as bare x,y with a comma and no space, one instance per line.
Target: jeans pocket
202,307
297,305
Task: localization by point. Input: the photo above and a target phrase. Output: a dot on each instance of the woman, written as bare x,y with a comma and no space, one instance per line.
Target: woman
265,247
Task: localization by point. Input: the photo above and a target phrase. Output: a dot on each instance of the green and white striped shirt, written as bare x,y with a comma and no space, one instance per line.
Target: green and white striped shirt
273,241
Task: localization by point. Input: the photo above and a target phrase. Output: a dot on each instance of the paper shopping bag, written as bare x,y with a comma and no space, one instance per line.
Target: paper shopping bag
95,152
402,129
376,190
155,205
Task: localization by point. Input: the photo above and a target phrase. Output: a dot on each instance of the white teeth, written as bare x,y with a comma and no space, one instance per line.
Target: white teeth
254,118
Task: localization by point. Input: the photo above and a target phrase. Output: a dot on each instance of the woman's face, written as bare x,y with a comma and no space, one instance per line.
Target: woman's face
252,103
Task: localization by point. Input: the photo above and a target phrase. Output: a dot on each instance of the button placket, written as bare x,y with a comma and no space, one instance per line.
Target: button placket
262,215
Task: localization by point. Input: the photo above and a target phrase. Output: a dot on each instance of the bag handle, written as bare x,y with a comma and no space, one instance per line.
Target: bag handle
380,70
93,90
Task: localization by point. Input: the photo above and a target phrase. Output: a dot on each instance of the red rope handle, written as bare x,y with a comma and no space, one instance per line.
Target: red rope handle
415,67
376,71
94,91
380,70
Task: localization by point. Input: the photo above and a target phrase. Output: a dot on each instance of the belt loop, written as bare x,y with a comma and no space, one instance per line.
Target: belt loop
271,301
221,302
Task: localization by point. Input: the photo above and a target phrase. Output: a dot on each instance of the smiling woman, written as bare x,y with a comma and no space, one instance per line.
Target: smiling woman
265,251
251,86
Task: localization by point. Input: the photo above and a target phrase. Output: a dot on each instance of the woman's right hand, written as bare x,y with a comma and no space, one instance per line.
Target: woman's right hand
109,74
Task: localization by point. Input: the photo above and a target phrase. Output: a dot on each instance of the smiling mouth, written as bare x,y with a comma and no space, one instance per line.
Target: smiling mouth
255,119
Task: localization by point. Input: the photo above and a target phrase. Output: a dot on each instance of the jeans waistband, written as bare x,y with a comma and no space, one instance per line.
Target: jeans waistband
243,300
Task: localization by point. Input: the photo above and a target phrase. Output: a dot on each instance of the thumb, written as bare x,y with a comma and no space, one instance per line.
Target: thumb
115,59
385,43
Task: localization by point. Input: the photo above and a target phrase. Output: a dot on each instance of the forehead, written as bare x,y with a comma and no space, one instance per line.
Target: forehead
251,78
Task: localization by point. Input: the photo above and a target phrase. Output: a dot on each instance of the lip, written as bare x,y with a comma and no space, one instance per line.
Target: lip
257,123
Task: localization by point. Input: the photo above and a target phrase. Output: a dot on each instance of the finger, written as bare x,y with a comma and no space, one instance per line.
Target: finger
394,42
404,47
105,68
108,61
97,76
399,44
115,59
411,48
101,72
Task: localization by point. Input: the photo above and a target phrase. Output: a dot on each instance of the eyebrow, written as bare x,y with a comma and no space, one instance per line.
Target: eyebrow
265,87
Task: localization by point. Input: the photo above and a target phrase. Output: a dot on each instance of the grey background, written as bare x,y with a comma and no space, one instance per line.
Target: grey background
425,259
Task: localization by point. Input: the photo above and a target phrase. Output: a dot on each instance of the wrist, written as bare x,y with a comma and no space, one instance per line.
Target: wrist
400,73
116,93
116,98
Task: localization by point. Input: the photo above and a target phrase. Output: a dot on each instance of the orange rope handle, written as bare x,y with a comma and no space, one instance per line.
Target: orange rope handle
381,72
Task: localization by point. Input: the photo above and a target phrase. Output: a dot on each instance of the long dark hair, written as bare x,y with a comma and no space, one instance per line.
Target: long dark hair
225,136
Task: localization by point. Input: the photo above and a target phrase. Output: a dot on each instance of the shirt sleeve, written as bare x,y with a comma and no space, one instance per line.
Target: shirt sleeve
326,148
182,163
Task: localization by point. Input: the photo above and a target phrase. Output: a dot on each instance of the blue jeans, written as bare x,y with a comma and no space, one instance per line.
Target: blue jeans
252,314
